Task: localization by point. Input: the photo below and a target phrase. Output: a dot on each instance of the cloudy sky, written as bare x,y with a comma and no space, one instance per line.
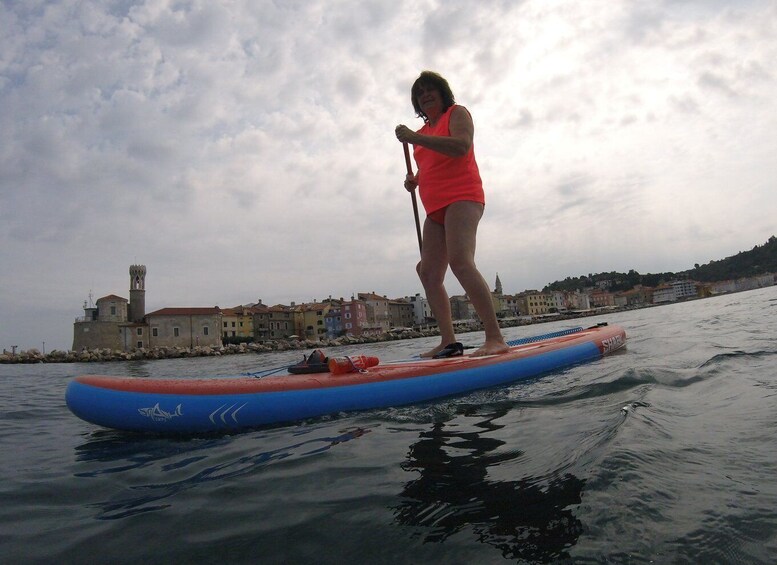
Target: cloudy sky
244,149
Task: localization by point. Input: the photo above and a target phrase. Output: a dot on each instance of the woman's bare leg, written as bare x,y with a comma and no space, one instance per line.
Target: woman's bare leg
431,270
461,224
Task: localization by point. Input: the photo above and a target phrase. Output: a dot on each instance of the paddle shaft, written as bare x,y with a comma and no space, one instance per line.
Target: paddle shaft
412,195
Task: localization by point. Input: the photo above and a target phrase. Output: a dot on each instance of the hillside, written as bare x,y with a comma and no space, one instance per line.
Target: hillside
761,259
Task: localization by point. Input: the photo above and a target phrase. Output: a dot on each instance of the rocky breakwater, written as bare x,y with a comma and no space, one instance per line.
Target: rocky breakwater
106,355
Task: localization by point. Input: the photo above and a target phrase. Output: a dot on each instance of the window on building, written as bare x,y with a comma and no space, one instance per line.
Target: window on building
140,344
140,331
205,330
176,332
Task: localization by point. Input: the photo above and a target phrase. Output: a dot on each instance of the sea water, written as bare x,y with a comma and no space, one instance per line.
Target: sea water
664,452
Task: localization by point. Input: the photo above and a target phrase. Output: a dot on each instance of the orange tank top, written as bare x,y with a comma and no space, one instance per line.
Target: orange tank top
443,180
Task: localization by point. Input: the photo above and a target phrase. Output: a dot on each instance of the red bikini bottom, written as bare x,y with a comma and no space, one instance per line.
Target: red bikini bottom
438,216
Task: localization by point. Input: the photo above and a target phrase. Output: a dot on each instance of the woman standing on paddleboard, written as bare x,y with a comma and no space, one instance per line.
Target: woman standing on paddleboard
452,194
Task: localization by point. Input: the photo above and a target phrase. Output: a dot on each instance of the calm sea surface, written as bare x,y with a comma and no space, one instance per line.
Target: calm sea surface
665,452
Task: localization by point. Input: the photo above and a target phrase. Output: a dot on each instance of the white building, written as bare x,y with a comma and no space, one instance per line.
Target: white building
558,301
663,294
421,311
684,289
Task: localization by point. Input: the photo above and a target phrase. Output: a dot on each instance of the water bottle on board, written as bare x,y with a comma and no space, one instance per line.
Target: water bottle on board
351,363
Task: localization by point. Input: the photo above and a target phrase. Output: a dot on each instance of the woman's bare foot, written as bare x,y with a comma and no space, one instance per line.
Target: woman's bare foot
491,348
432,352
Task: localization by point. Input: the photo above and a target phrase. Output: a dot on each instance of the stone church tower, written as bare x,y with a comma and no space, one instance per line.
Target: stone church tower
498,287
137,301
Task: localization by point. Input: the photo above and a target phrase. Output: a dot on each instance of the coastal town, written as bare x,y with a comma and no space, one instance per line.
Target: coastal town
114,327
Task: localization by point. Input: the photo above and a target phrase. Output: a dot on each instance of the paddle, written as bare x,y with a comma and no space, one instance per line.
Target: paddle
412,194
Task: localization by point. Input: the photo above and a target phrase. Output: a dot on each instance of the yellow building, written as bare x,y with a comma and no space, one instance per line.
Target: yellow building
310,320
238,322
533,303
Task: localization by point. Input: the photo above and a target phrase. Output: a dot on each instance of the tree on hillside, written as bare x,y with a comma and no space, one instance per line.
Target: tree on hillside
759,260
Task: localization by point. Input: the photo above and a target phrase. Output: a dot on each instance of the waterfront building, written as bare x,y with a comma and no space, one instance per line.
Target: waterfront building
245,319
118,324
579,300
663,293
334,322
114,322
133,336
354,318
422,314
461,308
557,301
636,297
112,308
738,285
378,319
684,289
309,320
273,322
137,302
184,327
602,298
401,313
533,303
238,322
508,306
228,323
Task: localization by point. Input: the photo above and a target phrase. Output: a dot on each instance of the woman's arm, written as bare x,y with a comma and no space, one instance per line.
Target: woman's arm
456,145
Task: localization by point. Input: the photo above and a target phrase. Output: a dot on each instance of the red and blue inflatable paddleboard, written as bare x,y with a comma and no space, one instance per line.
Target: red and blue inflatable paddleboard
234,403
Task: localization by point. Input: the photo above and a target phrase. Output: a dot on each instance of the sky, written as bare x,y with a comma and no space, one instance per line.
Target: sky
244,150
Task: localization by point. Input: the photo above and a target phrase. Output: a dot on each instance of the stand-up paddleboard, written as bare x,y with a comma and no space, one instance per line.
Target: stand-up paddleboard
222,404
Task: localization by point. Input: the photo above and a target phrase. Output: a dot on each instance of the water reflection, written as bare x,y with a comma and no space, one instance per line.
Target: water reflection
167,467
528,519
139,368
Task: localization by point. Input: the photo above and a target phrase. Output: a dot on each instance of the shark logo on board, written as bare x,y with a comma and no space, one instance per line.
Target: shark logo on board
159,415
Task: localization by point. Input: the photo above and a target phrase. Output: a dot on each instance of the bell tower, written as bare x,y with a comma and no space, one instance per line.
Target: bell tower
137,302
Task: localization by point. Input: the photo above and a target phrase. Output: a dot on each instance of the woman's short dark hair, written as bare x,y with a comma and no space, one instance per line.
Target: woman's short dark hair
434,80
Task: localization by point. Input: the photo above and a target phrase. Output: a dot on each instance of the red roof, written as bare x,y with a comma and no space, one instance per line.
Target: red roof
186,312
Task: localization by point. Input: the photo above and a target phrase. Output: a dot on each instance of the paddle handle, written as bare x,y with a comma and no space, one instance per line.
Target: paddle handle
412,195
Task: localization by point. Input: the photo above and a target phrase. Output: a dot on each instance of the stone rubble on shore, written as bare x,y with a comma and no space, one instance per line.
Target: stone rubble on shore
103,355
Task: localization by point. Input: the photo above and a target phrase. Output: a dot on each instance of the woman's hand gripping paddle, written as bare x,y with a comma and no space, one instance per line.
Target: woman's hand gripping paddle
412,194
